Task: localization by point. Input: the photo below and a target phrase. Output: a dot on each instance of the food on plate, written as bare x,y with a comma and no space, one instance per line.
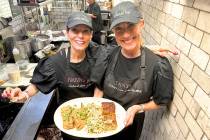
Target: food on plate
68,122
2,82
91,117
109,116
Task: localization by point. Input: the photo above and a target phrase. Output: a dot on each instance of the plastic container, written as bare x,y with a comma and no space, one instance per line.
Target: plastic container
13,73
16,54
20,56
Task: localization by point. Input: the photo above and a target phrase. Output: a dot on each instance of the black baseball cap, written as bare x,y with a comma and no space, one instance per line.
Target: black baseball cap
77,18
125,12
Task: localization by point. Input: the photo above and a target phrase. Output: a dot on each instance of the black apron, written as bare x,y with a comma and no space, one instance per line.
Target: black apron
128,96
76,84
75,81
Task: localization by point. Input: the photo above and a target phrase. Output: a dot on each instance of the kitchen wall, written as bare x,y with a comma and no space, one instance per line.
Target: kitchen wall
184,25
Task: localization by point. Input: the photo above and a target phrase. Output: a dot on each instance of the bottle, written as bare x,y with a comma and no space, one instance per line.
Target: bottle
16,54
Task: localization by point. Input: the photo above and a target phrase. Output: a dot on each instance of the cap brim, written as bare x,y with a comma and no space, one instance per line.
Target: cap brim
77,23
124,19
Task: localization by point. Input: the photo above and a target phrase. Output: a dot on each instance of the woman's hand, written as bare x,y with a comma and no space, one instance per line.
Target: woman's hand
130,114
15,95
162,51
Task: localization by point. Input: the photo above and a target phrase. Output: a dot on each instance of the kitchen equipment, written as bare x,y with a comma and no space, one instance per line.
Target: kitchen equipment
21,52
24,46
8,111
39,42
13,73
47,51
59,36
103,37
4,102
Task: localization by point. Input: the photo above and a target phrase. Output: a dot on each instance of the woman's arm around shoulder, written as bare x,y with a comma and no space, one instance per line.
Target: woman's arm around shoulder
163,82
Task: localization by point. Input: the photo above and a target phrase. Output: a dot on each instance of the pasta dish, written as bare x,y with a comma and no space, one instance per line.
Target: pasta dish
92,117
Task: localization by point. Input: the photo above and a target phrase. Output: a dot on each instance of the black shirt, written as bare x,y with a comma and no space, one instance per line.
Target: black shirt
125,68
71,79
96,11
124,84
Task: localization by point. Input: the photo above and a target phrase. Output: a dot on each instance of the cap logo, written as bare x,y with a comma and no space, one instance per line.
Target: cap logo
122,12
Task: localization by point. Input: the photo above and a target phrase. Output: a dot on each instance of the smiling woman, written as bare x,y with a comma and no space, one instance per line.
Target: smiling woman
79,37
135,77
69,70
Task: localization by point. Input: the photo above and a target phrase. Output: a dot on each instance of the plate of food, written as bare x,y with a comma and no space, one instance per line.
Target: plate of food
90,117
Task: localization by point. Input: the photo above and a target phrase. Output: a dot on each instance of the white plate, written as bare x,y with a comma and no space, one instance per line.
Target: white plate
119,110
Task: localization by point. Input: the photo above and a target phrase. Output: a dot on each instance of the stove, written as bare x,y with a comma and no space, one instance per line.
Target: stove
22,121
8,114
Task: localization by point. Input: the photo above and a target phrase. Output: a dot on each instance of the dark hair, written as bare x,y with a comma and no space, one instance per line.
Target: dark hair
67,29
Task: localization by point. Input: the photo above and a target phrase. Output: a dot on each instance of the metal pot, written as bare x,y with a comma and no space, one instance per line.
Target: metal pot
39,42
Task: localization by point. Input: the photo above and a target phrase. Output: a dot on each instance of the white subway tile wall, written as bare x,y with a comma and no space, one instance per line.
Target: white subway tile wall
183,24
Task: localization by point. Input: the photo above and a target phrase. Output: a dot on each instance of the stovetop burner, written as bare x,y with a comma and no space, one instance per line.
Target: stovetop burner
7,116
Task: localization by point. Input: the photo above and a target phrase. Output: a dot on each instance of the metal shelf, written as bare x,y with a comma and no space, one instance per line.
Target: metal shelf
35,4
28,4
